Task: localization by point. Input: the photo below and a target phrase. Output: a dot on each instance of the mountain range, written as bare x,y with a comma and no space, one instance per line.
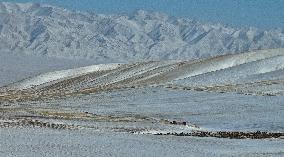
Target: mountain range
43,30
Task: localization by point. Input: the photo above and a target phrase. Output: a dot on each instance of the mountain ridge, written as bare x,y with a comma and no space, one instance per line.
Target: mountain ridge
39,29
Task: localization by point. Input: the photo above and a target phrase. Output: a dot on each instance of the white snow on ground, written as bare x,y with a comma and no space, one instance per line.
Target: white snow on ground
224,62
63,74
184,129
273,75
16,67
209,111
230,69
235,73
50,143
50,31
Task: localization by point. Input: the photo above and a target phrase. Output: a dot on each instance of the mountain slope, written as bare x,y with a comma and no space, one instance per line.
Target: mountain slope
52,31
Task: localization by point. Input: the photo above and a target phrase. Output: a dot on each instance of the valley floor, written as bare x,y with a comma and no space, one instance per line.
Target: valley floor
124,122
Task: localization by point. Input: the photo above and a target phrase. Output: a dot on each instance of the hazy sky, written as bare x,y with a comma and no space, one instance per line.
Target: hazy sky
257,13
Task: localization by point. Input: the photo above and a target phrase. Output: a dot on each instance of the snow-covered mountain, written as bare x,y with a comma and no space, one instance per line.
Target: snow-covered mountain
52,31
